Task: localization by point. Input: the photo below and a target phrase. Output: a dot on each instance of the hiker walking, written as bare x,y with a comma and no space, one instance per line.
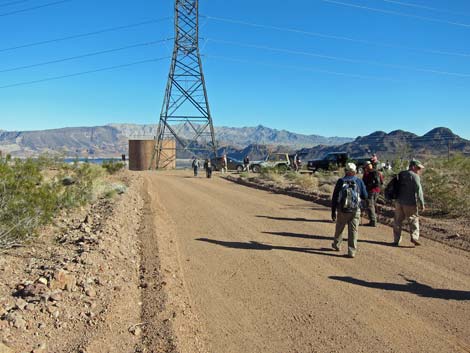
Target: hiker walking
373,180
345,208
409,195
224,168
208,167
195,166
246,163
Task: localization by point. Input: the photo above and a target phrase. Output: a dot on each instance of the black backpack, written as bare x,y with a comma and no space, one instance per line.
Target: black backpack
349,199
392,188
376,181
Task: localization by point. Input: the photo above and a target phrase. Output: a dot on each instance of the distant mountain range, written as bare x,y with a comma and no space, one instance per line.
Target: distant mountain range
112,141
437,142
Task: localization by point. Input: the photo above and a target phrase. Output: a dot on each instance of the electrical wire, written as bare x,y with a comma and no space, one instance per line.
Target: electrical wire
109,68
336,37
301,68
423,7
337,58
107,51
34,8
396,13
13,3
81,35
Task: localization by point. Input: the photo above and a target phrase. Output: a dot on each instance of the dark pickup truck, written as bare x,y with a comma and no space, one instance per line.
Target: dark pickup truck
335,160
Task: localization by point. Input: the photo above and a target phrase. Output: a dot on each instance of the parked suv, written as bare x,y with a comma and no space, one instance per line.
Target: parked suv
232,164
335,160
280,161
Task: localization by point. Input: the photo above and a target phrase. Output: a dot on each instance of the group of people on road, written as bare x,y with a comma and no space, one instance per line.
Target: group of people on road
196,164
351,194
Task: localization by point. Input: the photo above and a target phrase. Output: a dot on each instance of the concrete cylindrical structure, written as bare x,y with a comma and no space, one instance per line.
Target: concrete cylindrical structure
140,154
142,151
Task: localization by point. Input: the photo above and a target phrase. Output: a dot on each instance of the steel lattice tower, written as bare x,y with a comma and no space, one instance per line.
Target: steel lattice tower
185,114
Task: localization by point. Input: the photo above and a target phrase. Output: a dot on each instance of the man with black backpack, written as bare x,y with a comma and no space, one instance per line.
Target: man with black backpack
408,193
373,181
346,208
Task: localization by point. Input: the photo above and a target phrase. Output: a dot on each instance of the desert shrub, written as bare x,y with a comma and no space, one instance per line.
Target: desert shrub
29,200
113,166
26,201
447,186
305,181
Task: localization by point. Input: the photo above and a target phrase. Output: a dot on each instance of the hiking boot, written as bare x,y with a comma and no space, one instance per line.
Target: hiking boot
396,243
371,224
351,255
416,242
335,247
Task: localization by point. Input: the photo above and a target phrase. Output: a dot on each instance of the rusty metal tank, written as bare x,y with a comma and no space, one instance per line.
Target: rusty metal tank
141,153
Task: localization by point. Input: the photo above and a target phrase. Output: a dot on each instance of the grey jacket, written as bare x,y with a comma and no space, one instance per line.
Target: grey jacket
410,191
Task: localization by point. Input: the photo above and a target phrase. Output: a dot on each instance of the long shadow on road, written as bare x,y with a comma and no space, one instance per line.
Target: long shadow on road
254,245
411,286
297,219
323,237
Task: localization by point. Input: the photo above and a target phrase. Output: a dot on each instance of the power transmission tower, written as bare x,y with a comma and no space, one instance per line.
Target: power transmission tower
185,115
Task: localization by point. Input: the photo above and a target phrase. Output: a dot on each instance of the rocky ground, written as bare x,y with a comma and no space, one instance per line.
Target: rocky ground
76,288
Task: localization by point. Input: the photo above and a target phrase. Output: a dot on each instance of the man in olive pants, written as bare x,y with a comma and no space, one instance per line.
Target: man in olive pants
410,194
345,208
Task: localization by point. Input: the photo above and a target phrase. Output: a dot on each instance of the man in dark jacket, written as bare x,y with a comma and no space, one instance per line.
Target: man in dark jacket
373,180
345,208
410,195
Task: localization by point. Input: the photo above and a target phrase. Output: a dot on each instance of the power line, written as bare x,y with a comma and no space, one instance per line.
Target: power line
75,36
83,72
417,6
302,68
85,55
34,8
336,37
337,58
396,13
13,3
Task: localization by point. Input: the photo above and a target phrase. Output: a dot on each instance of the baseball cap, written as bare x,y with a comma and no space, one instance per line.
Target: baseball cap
416,163
350,167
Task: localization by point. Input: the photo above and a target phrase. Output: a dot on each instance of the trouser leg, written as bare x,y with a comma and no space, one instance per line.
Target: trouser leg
398,222
411,213
341,221
371,202
353,225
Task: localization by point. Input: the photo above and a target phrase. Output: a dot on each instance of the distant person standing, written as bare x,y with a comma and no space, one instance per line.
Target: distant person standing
246,163
195,166
224,168
346,208
409,196
373,181
208,167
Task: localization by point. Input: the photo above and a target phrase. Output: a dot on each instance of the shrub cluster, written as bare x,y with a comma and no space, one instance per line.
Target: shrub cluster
33,191
113,166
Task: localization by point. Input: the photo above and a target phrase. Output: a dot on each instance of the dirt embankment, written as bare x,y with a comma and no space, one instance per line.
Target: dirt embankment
75,289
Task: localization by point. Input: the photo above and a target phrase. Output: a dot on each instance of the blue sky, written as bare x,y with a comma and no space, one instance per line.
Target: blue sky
273,63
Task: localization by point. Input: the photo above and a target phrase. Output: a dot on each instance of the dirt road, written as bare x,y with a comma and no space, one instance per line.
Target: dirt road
248,271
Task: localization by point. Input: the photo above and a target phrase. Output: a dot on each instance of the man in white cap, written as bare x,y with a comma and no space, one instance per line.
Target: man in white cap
410,194
346,208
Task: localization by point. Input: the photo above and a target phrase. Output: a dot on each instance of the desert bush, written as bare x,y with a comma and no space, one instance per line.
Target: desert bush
113,166
26,201
447,186
31,196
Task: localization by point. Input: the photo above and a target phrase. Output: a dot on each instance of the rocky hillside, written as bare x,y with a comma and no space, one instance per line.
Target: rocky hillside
111,140
398,143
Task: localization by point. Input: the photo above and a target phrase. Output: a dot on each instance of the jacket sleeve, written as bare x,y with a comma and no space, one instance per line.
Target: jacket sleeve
362,190
419,190
334,198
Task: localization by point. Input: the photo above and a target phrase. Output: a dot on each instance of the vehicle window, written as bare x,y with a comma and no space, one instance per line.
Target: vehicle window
272,158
